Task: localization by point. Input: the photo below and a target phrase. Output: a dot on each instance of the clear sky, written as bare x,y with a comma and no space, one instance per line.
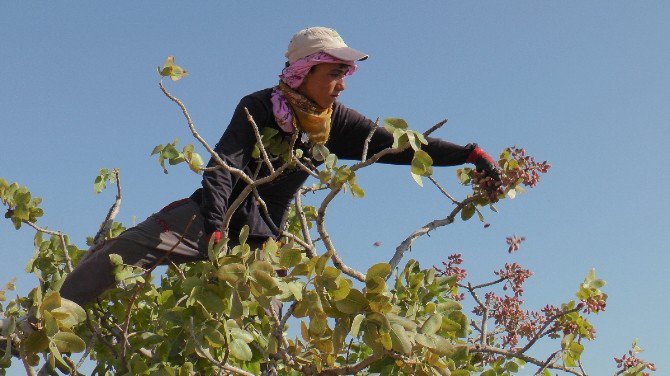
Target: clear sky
584,85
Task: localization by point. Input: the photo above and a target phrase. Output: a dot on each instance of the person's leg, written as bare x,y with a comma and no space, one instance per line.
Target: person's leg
142,246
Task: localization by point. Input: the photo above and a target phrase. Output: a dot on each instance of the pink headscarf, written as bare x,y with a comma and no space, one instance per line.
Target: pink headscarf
293,75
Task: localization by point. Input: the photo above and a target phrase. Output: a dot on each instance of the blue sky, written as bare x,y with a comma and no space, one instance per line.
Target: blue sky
584,85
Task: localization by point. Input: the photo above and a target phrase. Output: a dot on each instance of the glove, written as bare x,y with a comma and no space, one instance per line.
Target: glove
216,236
484,162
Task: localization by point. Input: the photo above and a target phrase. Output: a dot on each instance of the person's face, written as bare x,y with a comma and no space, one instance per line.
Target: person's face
324,83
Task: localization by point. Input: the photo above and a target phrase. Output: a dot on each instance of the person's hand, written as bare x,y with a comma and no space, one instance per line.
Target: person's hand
484,162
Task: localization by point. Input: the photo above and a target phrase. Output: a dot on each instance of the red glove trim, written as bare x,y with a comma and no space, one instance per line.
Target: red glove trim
217,237
478,153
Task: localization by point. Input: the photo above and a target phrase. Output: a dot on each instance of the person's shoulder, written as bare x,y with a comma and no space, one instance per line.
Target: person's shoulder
343,115
260,95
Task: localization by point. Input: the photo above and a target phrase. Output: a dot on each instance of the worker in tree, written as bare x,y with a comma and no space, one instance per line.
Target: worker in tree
304,104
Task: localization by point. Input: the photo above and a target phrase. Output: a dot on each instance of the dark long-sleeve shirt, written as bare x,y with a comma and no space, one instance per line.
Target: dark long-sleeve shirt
349,129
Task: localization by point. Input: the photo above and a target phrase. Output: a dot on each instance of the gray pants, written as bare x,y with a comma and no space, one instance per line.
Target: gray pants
142,246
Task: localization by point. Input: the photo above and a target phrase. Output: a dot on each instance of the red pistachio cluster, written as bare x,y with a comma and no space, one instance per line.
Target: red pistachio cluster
450,268
528,170
514,242
594,303
514,277
628,361
487,186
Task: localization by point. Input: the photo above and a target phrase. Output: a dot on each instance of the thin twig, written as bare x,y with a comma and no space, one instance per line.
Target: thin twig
547,362
526,358
352,369
549,321
407,243
367,141
36,227
111,214
444,192
303,220
217,158
259,141
66,253
485,308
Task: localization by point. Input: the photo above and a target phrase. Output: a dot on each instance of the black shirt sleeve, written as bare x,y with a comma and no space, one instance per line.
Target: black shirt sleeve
235,148
350,129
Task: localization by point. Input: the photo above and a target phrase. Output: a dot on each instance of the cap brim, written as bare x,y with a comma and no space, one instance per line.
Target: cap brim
346,54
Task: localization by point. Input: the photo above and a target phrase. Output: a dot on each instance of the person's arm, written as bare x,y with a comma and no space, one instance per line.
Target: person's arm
348,139
235,148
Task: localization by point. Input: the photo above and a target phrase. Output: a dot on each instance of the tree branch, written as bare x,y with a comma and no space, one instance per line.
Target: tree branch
111,214
352,369
257,133
526,358
407,243
367,141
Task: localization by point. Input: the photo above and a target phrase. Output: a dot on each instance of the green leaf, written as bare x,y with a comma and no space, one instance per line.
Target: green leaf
381,270
240,350
290,258
417,179
318,323
353,303
400,339
395,123
467,212
356,324
374,285
36,342
264,279
68,342
115,259
231,272
244,234
432,325
342,290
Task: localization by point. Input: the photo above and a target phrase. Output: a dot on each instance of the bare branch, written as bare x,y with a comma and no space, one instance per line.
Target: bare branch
526,358
303,220
444,192
259,142
485,308
367,141
236,171
111,214
541,333
352,369
66,253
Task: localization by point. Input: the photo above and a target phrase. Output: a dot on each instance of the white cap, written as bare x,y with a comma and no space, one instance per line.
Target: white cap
320,39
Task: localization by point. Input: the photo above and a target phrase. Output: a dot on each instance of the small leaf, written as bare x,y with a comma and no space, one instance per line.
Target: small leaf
240,350
356,324
68,342
467,212
353,303
381,270
231,272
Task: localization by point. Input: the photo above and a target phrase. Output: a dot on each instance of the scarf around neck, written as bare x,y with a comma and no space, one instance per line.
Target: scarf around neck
293,110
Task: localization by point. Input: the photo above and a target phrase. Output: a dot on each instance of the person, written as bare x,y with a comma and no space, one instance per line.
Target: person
304,101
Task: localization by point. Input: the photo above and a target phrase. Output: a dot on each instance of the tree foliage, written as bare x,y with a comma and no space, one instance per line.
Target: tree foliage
223,316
